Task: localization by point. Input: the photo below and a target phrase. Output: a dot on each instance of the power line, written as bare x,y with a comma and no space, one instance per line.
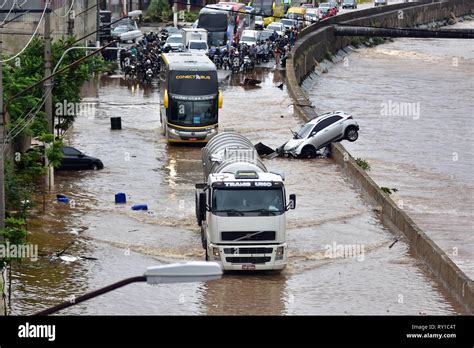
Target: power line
68,11
20,15
87,9
11,8
80,60
31,114
32,36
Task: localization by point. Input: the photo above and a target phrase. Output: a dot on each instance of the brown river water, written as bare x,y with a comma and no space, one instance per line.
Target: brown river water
425,149
122,243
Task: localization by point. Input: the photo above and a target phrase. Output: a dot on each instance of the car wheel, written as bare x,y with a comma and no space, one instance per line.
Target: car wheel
94,166
352,134
308,152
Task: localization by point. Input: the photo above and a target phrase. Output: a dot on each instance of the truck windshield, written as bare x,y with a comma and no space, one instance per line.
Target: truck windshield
248,201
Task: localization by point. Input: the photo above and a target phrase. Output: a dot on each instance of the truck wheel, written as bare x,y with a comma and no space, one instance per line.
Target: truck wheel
308,152
203,239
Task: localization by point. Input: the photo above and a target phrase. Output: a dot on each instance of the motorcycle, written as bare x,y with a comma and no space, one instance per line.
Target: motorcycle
148,76
226,62
217,61
235,65
248,64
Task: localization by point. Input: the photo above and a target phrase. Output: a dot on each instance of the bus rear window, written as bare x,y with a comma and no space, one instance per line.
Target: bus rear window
213,22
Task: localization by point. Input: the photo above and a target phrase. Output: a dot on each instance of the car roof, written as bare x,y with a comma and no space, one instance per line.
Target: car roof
321,117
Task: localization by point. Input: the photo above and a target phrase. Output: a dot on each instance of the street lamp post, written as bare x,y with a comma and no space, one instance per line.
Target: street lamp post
193,271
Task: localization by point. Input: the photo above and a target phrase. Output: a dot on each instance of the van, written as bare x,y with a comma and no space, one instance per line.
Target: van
249,37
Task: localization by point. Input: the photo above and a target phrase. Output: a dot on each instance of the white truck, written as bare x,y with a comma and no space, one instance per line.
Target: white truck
193,35
241,207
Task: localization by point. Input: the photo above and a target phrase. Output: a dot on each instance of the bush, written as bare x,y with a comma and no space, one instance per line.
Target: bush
388,190
363,164
191,16
159,10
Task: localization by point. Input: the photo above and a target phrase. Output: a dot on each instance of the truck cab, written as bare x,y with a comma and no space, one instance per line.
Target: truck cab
241,209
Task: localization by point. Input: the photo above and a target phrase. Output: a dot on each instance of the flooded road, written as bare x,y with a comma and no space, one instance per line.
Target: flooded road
119,242
413,101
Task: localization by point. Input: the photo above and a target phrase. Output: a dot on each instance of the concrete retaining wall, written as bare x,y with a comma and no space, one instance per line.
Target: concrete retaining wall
312,46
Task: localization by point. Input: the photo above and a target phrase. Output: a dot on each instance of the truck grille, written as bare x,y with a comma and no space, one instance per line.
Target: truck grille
233,235
253,260
248,250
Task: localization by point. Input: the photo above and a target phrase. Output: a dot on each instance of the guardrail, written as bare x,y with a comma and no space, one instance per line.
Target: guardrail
311,47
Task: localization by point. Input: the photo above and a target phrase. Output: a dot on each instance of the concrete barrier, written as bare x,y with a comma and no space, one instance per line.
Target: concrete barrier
312,46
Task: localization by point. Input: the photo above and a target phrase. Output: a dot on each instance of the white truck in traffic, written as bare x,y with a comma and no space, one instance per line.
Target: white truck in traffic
195,39
241,207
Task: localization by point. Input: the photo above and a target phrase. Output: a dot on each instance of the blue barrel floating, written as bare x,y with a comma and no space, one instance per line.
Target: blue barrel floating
62,199
120,198
140,207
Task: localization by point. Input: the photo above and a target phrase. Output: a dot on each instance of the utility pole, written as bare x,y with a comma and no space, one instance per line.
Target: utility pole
2,137
48,85
70,21
175,14
98,24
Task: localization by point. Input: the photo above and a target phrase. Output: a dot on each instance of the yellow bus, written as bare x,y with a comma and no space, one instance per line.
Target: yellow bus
190,97
268,9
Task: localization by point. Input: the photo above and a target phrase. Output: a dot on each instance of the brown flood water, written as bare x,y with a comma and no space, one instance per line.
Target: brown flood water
425,149
123,243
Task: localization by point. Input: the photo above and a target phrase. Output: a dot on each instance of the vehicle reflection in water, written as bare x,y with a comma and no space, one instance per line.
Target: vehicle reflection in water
245,294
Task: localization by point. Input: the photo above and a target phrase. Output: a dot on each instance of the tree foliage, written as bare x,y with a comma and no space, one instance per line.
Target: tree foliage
21,172
159,10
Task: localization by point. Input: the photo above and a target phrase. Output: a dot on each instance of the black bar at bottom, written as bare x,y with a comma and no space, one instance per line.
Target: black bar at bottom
289,331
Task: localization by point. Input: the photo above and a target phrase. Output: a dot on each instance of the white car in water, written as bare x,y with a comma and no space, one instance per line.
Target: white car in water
320,132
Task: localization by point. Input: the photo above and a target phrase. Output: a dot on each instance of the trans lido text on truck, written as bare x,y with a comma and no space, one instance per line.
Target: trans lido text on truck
191,98
241,207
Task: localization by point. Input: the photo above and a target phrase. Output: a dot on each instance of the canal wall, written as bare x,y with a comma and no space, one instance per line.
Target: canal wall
313,45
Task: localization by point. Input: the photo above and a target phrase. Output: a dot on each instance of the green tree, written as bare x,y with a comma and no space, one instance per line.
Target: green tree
159,10
27,118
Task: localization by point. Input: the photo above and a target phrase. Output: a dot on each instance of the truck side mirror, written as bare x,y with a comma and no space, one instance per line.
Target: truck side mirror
202,206
292,203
